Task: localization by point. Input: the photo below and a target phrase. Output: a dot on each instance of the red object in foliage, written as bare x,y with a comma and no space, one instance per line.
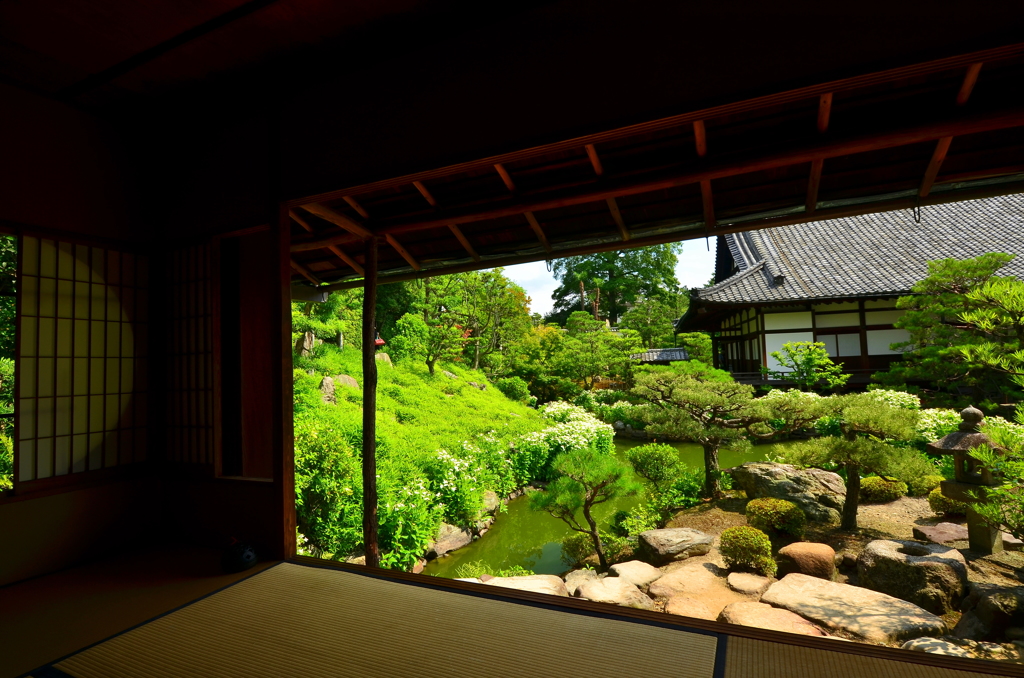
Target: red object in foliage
378,341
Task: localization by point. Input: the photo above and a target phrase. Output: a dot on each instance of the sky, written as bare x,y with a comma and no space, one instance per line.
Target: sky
695,267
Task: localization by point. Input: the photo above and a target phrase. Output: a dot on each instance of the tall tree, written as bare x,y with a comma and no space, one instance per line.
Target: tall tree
613,280
652,319
433,332
495,310
933,317
591,351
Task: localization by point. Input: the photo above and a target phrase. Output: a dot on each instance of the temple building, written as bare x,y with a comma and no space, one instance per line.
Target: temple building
838,282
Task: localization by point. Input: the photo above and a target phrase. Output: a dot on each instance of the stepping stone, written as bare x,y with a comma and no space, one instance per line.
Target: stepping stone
537,583
816,560
577,577
943,533
763,616
1011,543
748,584
689,606
936,646
636,572
616,591
864,614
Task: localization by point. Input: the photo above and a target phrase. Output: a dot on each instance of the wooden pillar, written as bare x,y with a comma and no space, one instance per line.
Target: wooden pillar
370,546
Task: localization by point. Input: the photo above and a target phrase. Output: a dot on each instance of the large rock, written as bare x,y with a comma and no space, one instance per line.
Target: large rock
383,358
936,646
536,583
663,546
748,584
304,344
449,538
853,611
327,391
492,502
943,533
577,577
689,606
810,558
763,616
614,590
929,575
345,380
819,493
989,611
636,572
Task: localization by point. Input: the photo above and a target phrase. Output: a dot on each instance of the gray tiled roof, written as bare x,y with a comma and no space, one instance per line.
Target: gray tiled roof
867,255
661,354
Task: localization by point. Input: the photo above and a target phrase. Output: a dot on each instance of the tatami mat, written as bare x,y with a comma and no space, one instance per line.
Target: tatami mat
297,620
746,658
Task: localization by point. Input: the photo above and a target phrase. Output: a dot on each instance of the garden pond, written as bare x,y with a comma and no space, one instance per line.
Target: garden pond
532,539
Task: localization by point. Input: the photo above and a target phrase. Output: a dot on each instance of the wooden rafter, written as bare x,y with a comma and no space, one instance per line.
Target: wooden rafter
349,261
503,173
538,231
306,273
425,193
613,206
356,206
708,202
404,253
814,181
700,138
338,219
300,221
595,161
457,232
942,145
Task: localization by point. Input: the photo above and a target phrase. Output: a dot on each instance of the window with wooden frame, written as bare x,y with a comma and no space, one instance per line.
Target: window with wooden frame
81,368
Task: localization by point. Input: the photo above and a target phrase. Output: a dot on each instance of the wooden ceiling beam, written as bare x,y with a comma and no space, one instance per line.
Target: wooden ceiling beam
942,145
306,273
425,193
356,206
820,149
538,231
338,219
814,182
404,253
679,236
503,173
464,241
595,161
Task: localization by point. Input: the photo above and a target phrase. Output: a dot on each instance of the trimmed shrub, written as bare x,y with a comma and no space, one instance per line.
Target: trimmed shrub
776,515
748,548
943,505
514,388
919,487
878,489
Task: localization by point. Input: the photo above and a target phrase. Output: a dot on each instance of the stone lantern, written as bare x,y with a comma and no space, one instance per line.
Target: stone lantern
971,477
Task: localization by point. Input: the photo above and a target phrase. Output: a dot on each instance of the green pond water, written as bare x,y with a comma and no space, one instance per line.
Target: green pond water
532,539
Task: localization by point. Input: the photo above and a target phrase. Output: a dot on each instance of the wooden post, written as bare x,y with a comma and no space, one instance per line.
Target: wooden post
370,546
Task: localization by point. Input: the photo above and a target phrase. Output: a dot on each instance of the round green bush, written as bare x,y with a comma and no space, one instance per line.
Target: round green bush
748,548
919,487
942,504
875,488
514,388
776,515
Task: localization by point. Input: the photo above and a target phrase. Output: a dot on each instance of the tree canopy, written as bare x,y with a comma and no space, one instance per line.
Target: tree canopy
611,280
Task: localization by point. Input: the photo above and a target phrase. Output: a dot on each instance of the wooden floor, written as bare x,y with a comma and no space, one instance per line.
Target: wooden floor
45,618
303,617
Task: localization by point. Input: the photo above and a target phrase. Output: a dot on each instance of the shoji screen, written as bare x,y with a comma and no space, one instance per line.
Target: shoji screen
189,372
82,359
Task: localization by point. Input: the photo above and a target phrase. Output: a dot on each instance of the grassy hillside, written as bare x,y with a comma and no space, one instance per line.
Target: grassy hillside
441,444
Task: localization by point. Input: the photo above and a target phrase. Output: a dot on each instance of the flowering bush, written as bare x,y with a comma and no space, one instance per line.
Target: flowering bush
936,423
574,429
901,399
409,518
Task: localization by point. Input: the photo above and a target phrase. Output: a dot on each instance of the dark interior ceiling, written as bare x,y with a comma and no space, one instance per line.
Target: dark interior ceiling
612,126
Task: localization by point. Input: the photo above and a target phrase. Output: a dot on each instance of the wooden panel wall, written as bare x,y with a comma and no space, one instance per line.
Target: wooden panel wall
82,370
190,363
